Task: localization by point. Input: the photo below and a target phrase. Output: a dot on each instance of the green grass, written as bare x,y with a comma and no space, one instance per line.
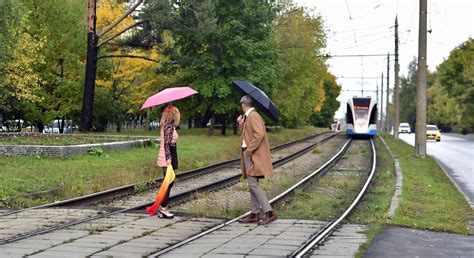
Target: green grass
324,199
77,175
375,203
429,200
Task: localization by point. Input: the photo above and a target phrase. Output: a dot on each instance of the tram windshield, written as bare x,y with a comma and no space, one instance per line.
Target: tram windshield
361,114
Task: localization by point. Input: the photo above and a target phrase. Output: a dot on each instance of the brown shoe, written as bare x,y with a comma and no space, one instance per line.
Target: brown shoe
252,218
269,217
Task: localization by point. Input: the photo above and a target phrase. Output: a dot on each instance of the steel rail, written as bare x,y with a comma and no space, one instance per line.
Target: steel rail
328,229
234,179
130,189
324,167
173,199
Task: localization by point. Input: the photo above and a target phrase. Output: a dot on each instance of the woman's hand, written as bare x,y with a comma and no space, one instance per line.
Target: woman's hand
168,162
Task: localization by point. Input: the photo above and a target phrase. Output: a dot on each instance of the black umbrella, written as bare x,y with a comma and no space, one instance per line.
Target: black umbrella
261,99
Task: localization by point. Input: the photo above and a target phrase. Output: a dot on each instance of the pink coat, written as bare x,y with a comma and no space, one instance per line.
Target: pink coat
161,160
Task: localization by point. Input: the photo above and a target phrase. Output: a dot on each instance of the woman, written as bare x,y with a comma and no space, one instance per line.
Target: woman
168,154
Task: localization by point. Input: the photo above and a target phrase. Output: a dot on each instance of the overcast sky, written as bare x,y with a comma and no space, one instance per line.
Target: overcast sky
361,27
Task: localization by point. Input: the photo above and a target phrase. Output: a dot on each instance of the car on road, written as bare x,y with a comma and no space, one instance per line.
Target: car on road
53,128
404,128
432,132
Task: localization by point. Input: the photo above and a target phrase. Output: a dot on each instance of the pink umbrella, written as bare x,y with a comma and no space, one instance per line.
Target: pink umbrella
168,95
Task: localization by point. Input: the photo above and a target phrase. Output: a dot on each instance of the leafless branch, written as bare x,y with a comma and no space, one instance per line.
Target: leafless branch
119,33
113,24
127,56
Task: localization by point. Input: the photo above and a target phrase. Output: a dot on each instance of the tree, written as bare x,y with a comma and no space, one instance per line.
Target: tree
61,26
218,42
10,11
45,59
442,110
93,46
455,88
408,87
299,92
126,83
324,117
20,75
127,74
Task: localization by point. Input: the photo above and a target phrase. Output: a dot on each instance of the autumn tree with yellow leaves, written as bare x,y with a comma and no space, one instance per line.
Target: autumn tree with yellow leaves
126,76
97,37
43,57
300,91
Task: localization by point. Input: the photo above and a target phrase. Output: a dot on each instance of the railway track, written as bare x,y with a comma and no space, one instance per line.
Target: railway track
130,189
107,210
278,198
320,236
317,237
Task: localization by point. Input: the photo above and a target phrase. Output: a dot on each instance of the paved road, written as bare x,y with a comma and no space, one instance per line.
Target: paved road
406,242
456,155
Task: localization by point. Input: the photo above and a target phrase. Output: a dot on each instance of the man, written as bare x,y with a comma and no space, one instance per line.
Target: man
255,161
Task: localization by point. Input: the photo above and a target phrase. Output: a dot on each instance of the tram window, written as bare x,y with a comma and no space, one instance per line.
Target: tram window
361,114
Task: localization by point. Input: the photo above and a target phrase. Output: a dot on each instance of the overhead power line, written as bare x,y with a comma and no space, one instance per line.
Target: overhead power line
345,30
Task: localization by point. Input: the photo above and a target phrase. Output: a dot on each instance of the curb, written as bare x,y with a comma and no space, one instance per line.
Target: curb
454,183
398,185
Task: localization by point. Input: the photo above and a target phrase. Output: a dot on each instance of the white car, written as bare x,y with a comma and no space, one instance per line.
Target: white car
404,128
49,129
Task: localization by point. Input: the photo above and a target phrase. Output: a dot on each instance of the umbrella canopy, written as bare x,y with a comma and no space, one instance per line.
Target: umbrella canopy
168,95
261,99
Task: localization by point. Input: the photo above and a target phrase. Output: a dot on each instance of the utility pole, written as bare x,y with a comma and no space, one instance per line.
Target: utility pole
381,105
420,126
387,120
362,84
396,93
91,68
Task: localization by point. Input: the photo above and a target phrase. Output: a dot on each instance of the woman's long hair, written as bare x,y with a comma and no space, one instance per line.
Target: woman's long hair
170,115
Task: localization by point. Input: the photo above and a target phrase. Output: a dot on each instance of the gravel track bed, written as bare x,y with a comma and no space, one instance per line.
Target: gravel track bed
351,170
185,185
234,200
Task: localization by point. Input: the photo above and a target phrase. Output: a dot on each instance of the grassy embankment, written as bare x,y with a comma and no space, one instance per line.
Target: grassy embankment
428,200
77,175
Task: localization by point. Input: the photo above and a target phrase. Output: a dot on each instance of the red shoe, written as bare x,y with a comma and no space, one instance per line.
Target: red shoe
269,217
252,218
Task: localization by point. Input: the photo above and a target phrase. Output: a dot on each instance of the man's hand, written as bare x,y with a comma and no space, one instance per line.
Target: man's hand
240,120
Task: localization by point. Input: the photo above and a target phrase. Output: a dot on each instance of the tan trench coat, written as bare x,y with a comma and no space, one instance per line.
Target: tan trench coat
258,147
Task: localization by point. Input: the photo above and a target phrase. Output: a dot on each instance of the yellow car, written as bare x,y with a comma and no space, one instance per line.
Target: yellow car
432,132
